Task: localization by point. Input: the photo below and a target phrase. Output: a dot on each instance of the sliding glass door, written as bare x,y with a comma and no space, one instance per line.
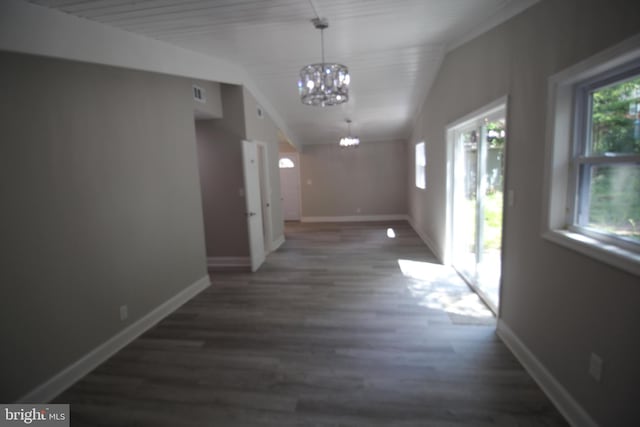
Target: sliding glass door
478,157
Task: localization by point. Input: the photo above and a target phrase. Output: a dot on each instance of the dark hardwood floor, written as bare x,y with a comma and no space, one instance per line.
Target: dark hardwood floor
343,326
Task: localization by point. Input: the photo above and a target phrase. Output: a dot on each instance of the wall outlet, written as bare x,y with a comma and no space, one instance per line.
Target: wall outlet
124,312
595,367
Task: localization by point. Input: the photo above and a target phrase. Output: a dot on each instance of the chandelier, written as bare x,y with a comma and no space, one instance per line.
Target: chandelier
323,84
349,141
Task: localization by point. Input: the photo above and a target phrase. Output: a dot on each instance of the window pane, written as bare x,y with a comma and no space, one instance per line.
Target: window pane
615,118
421,162
286,163
420,154
612,200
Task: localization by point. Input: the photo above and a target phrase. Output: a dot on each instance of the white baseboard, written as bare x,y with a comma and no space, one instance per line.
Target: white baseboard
427,241
275,245
355,218
74,372
566,404
228,261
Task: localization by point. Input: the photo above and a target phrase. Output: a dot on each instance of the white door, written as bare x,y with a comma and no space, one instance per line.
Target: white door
265,194
290,186
253,199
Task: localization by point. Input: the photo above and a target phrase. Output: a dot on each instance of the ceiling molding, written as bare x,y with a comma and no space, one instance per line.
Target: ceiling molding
37,30
511,9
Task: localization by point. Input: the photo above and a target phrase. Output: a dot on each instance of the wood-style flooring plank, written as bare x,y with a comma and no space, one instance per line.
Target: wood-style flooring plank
342,326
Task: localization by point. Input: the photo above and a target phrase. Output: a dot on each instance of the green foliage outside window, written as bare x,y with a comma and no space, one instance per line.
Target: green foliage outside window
614,204
615,119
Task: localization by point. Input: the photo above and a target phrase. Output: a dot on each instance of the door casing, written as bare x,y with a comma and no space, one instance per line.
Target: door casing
497,107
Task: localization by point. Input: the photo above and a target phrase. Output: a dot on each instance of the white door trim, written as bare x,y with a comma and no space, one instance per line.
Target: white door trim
266,207
299,177
499,106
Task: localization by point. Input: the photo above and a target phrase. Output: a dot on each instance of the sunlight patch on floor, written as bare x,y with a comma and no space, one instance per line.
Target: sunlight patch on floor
439,287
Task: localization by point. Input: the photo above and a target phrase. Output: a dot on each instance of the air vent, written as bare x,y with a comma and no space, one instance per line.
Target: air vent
198,94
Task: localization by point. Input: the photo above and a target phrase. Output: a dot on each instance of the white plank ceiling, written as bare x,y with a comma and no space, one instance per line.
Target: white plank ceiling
393,49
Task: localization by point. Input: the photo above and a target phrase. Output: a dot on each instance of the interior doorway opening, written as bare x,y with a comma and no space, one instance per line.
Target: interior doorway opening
289,166
475,198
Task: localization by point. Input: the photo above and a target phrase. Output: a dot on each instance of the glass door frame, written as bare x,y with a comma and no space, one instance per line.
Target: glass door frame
495,109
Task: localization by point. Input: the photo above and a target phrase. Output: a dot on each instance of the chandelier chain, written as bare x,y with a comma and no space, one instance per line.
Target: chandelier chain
315,9
349,140
322,45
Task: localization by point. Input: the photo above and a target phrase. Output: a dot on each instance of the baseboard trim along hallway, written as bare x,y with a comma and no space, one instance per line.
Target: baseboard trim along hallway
344,325
228,262
566,404
275,245
62,380
427,241
355,218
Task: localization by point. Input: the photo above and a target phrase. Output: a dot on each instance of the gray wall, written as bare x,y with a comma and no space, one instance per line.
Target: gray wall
371,177
221,177
100,207
561,304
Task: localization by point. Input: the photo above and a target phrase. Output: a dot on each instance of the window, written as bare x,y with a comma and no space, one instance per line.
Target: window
606,163
421,166
286,163
592,166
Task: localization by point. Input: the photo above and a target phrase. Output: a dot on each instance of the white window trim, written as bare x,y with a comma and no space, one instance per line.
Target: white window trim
423,177
557,186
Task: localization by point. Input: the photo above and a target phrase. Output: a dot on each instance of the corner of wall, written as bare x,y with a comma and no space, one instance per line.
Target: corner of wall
233,109
426,239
